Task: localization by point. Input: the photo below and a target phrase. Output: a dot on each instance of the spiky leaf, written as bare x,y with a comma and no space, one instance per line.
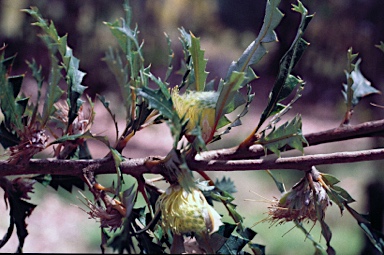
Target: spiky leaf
288,134
287,63
256,50
360,87
199,63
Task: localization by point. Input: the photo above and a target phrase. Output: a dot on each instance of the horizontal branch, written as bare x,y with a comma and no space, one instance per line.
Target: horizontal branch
342,133
303,163
136,167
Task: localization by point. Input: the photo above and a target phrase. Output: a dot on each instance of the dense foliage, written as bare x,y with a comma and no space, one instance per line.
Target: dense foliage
197,113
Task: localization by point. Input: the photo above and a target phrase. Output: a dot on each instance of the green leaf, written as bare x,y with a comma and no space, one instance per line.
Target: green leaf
9,89
70,63
228,100
121,73
237,121
54,92
117,158
226,185
330,180
157,100
285,81
233,245
376,238
86,135
319,250
170,58
343,194
199,63
106,105
380,46
280,186
65,181
360,87
288,134
256,50
74,78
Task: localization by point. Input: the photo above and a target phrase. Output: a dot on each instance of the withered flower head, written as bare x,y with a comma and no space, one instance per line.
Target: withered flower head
185,212
80,124
32,142
108,217
299,203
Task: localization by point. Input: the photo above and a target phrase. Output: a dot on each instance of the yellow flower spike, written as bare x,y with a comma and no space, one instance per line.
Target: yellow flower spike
195,106
185,212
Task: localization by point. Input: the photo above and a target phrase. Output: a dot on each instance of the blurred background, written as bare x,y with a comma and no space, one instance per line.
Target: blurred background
226,28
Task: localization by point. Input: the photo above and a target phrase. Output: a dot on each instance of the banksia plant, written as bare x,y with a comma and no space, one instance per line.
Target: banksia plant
299,204
198,107
198,112
187,211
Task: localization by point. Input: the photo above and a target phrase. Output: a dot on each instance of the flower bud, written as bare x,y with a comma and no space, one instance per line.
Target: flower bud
185,212
195,106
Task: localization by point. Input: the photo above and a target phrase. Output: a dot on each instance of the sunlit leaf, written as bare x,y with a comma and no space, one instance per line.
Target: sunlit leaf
361,87
285,80
288,134
199,64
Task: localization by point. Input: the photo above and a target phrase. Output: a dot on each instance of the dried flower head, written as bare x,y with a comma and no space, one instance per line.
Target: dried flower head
32,142
185,212
108,216
299,203
80,124
195,106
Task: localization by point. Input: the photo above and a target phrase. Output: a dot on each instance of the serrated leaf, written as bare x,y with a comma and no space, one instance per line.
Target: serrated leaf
256,50
9,89
170,58
86,135
157,100
117,158
65,181
106,105
70,63
54,92
361,87
16,192
75,89
226,185
233,245
199,64
287,63
228,100
288,134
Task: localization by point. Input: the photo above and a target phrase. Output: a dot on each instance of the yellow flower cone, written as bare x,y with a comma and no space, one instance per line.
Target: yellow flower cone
195,106
185,212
